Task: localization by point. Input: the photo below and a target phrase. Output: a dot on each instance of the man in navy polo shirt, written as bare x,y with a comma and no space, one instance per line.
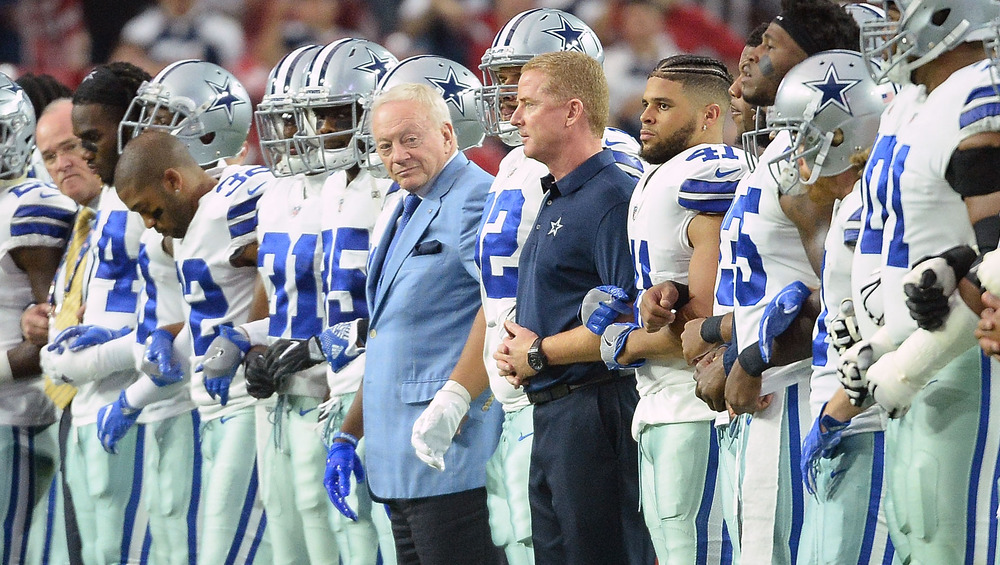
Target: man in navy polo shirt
583,484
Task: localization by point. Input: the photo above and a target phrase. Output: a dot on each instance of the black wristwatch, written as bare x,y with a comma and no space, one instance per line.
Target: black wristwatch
536,359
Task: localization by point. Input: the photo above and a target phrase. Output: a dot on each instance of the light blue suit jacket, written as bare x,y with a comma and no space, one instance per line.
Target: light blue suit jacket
420,316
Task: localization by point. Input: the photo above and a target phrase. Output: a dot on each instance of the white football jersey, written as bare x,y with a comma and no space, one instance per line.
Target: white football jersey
511,208
111,293
910,211
349,214
768,252
290,263
161,304
699,180
217,292
838,255
32,214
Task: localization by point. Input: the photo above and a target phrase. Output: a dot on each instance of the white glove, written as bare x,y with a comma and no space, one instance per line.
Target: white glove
436,427
889,386
989,272
843,328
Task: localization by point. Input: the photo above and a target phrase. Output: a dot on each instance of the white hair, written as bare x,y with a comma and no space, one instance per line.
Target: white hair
430,99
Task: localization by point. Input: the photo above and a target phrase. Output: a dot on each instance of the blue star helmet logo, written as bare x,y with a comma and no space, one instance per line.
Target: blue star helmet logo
374,65
833,89
11,87
224,98
451,89
569,35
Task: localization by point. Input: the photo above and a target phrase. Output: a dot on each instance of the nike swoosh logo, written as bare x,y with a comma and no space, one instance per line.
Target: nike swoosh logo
304,412
225,419
610,144
522,437
719,174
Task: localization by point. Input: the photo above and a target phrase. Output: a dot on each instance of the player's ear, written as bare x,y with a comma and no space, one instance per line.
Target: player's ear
712,114
173,181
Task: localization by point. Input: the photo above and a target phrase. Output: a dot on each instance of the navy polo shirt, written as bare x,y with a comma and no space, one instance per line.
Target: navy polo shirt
579,241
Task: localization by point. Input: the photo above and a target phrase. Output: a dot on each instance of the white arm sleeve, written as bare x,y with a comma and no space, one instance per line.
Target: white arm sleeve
92,363
256,331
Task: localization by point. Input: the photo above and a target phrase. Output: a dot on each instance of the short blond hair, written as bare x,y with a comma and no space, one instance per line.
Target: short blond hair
430,99
571,74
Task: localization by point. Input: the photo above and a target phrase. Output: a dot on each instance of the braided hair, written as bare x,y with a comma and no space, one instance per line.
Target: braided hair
705,77
113,84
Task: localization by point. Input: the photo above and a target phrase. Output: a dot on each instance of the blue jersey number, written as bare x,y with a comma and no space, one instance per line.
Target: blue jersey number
344,284
498,243
148,321
751,281
115,264
207,301
299,264
710,154
640,257
883,193
235,180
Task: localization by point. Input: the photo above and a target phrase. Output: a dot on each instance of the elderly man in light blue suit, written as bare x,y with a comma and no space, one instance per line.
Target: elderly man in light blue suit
423,293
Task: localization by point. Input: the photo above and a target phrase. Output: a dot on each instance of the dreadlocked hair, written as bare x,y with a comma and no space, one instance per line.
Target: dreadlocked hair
42,90
829,25
705,77
113,84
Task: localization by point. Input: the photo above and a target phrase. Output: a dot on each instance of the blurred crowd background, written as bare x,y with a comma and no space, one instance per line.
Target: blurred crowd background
66,38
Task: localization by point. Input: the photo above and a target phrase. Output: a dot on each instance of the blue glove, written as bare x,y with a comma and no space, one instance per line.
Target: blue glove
220,362
818,444
114,421
613,341
158,360
339,344
80,337
779,315
602,306
341,461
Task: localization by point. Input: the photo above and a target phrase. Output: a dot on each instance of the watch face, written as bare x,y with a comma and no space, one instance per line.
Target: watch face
536,361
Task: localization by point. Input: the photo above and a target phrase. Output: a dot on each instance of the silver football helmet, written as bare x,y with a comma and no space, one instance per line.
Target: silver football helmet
201,103
530,33
455,83
17,129
831,107
275,114
342,74
925,30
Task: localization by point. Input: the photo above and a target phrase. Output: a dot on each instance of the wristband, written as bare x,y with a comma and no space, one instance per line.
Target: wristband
347,438
683,295
711,329
752,360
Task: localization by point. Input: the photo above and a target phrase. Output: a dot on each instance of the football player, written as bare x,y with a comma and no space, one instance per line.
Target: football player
935,147
37,222
843,454
212,224
674,224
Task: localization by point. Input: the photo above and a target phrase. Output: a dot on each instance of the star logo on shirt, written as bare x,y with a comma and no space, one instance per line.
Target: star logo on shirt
451,88
556,226
569,35
224,98
375,64
12,87
833,89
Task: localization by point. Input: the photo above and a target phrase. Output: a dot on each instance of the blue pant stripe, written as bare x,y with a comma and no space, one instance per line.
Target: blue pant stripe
30,494
50,519
890,552
133,502
992,544
727,545
244,517
977,458
257,538
15,483
874,496
192,517
707,500
147,542
795,457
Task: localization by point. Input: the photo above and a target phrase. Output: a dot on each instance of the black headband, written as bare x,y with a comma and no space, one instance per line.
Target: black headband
798,33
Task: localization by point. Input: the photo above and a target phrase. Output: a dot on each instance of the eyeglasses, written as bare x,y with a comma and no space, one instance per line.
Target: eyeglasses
70,146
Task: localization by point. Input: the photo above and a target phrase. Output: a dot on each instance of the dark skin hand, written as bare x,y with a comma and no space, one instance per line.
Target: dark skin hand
710,379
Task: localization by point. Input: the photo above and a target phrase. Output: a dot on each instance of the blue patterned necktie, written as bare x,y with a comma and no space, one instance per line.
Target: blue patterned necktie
410,204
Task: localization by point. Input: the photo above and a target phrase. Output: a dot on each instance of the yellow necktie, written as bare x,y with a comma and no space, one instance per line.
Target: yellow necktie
74,266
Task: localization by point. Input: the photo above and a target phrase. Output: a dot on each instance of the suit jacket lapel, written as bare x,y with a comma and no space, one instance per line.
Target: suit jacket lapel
414,230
